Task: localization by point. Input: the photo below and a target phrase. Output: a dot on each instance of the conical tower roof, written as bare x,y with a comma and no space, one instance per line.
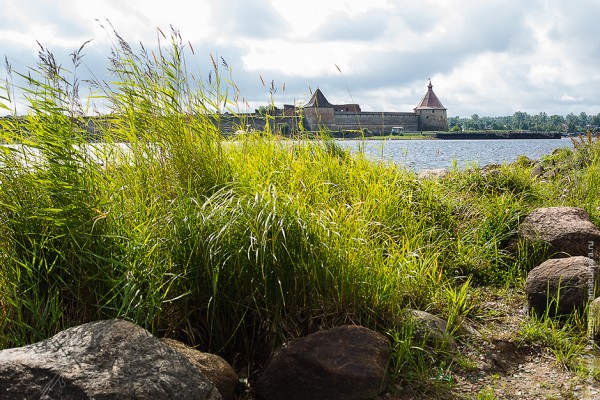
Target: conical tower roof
318,100
430,101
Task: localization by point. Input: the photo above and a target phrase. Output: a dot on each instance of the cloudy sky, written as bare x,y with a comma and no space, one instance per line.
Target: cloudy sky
491,58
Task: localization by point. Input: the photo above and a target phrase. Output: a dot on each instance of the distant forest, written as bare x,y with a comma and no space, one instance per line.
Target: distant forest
541,122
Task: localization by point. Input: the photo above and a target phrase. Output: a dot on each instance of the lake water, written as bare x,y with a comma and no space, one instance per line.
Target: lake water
419,155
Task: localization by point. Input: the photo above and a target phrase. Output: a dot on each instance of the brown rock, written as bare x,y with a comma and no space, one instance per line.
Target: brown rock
567,230
561,285
112,359
346,363
211,365
537,170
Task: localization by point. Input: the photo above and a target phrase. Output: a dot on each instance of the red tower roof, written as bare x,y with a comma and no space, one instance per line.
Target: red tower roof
318,100
430,101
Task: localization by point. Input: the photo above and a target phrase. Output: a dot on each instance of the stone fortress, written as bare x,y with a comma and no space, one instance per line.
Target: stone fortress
428,115
341,120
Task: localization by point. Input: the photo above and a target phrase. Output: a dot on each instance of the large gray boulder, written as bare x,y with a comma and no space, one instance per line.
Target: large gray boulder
215,368
346,363
567,231
561,285
111,359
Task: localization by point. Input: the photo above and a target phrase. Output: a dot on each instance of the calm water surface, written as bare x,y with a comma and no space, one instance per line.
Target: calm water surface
429,154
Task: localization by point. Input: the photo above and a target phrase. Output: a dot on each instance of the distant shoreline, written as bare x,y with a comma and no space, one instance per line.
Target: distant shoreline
497,135
481,135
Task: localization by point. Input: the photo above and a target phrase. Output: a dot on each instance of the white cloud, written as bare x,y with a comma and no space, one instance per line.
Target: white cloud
569,98
490,58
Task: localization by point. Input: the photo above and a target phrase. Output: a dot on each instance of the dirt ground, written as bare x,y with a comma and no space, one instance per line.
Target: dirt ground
516,374
501,367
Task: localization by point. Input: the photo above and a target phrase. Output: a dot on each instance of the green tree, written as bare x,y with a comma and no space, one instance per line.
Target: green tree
557,122
572,122
475,124
595,122
543,120
583,121
519,120
453,121
263,110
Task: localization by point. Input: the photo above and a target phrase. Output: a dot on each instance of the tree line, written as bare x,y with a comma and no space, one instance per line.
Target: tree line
520,120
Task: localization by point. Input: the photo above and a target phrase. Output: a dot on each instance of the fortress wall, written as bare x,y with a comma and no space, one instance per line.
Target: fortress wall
376,122
318,117
249,122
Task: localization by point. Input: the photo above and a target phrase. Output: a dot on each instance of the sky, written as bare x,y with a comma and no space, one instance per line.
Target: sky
485,57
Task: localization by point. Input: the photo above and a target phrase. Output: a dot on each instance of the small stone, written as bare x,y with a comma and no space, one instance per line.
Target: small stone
431,330
594,317
537,170
438,173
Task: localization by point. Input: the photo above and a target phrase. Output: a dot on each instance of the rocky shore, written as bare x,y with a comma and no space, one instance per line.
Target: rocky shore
115,359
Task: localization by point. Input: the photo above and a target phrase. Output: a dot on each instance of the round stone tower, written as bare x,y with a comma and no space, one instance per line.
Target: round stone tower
431,112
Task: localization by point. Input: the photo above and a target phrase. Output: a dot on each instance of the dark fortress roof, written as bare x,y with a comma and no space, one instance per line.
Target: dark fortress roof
318,100
430,101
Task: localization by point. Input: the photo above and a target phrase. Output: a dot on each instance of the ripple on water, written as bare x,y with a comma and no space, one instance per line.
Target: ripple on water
420,155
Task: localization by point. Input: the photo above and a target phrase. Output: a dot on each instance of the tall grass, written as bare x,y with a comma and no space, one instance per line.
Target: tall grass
234,246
